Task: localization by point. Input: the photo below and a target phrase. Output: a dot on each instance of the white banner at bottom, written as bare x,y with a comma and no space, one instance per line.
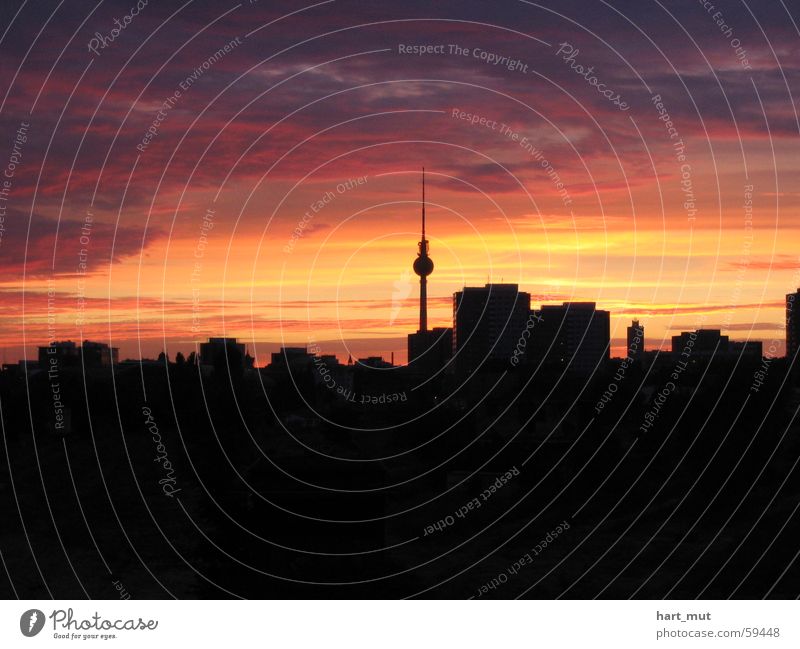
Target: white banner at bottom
357,624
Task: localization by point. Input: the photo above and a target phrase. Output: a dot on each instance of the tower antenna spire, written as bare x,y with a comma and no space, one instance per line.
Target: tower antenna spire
423,266
423,203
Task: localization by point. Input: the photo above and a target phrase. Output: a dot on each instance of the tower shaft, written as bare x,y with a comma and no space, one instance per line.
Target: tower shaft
423,303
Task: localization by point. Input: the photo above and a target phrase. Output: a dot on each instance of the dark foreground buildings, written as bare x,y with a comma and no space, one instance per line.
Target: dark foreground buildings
69,354
705,344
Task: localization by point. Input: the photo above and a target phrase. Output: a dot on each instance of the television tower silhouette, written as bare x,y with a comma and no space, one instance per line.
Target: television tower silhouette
423,266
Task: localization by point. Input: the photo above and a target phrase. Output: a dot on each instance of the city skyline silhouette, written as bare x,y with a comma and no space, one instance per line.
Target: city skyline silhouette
372,301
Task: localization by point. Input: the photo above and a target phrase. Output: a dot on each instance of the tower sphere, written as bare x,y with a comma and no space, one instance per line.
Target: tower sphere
423,266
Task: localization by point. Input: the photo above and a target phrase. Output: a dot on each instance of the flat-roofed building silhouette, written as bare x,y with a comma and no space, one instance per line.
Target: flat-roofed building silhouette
98,354
223,351
487,323
293,358
704,344
573,334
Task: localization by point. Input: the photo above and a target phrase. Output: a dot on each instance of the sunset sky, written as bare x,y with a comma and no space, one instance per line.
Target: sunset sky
308,99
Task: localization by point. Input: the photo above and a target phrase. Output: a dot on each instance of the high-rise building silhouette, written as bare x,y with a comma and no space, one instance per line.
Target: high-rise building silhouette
427,350
487,323
792,323
635,340
574,334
